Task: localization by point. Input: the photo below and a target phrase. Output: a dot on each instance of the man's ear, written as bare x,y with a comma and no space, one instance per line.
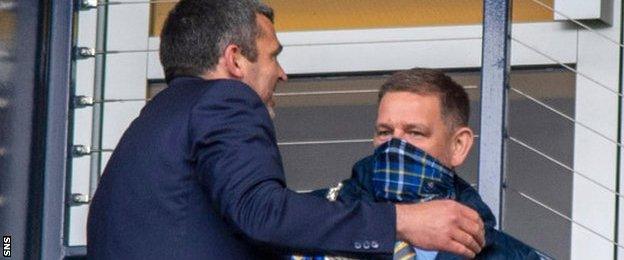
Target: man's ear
462,141
233,61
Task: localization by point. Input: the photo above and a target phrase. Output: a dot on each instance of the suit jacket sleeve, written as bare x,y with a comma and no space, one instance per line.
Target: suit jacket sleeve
235,157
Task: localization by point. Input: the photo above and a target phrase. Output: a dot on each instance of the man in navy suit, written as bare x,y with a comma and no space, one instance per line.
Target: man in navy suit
198,174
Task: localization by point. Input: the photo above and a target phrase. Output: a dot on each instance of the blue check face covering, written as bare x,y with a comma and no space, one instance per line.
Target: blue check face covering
405,173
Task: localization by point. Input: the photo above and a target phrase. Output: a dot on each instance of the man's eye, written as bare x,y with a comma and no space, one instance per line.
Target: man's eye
383,132
415,133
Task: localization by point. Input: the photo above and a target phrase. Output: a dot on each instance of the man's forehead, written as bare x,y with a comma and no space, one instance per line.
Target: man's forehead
266,26
407,100
267,31
409,110
395,93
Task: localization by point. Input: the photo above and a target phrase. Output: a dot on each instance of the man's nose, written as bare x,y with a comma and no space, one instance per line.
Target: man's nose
398,134
282,74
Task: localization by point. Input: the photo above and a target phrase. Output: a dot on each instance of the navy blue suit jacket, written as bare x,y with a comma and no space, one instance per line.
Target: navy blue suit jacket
198,175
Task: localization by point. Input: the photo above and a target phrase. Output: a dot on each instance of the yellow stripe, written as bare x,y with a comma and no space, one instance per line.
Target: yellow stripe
407,173
306,15
399,246
298,15
409,256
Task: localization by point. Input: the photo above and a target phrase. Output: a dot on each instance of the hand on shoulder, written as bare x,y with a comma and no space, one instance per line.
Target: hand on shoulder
442,225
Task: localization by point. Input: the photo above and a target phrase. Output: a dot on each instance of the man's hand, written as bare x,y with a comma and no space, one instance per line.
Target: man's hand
442,225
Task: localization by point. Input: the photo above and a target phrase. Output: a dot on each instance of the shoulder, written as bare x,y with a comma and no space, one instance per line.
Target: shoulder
230,113
229,90
214,89
229,99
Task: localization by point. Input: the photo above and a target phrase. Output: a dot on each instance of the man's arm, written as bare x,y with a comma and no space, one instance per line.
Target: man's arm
237,160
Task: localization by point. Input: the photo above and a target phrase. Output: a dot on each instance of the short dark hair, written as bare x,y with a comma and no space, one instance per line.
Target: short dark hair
454,99
197,32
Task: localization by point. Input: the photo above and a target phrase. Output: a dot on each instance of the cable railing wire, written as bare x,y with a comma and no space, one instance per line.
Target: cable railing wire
103,3
329,92
563,165
348,141
100,52
124,51
568,67
383,41
537,202
282,94
569,118
121,100
579,23
341,92
294,143
343,141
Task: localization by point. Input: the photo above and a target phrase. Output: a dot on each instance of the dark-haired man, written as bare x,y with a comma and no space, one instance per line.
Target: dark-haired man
421,136
198,174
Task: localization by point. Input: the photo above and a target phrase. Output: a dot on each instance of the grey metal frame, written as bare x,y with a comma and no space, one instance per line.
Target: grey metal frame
53,245
494,86
98,94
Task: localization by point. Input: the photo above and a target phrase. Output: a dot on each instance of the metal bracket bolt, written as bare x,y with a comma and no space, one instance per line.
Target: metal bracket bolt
83,101
84,52
81,150
87,4
79,199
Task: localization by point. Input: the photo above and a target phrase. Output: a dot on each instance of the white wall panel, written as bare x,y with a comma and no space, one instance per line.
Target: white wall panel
77,214
105,157
126,76
78,227
128,26
583,9
596,158
117,117
393,49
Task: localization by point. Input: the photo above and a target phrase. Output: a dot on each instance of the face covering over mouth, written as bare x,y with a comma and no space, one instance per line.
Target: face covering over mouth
405,173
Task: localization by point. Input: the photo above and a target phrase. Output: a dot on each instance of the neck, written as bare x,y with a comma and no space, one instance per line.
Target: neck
215,74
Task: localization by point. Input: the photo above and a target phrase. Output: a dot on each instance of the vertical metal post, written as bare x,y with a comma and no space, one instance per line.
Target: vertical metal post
58,77
98,94
618,177
494,85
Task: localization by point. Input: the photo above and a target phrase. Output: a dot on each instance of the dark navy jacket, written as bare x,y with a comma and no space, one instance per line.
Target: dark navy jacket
498,244
198,175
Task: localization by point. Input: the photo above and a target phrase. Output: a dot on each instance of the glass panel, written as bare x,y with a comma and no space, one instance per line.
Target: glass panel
533,174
